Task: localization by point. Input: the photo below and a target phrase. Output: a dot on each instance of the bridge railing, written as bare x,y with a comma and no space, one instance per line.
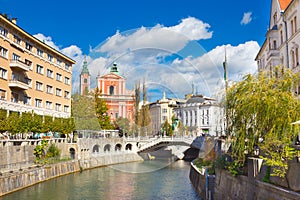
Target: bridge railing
158,140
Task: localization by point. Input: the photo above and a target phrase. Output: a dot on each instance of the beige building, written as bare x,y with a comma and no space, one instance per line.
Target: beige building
281,46
33,76
161,111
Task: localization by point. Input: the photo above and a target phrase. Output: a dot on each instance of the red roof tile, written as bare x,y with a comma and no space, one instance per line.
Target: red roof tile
284,4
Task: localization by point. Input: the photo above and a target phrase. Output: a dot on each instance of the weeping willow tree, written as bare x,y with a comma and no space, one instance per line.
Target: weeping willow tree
260,110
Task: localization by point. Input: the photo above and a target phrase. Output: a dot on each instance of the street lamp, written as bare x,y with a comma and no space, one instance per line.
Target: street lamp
256,150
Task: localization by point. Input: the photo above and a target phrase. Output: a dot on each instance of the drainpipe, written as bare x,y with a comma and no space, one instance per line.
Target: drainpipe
286,40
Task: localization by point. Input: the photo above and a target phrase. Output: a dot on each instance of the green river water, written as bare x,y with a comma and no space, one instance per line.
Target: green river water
155,179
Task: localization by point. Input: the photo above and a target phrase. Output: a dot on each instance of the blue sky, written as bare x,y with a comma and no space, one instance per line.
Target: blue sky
174,44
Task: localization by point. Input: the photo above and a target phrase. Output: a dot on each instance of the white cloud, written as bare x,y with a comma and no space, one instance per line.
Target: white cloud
47,40
193,29
152,54
247,18
171,39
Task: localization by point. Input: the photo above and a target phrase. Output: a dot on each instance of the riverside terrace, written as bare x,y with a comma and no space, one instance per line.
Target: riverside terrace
16,154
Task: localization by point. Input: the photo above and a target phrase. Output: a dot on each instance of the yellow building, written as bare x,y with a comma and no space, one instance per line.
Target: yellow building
33,76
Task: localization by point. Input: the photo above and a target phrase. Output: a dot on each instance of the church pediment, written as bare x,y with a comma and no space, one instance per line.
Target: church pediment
112,76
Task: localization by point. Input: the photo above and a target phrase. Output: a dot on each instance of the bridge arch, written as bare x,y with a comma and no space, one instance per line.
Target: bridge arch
107,147
72,152
118,147
128,147
96,148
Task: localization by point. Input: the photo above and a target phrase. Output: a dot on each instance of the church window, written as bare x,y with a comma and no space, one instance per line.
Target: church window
85,80
111,90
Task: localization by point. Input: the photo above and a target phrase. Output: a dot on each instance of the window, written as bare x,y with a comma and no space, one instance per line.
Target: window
274,45
3,52
67,80
50,58
40,52
297,56
49,89
14,97
85,80
28,63
28,46
57,107
28,81
281,37
58,77
48,104
39,86
58,92
3,31
66,108
295,24
67,66
27,100
15,56
293,58
3,73
165,110
111,90
58,62
38,103
49,73
2,94
67,94
39,69
17,40
292,26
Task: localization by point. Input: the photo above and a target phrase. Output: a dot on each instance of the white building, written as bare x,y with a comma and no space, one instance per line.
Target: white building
281,46
201,115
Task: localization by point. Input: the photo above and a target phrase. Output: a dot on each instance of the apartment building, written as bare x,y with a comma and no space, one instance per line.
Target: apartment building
33,76
281,46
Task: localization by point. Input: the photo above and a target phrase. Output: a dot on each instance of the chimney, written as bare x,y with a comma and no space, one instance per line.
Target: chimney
14,20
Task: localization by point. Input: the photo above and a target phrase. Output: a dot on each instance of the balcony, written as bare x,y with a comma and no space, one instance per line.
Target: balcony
14,83
18,64
273,53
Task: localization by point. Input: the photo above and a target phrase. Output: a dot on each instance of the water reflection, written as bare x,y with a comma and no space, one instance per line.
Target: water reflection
125,181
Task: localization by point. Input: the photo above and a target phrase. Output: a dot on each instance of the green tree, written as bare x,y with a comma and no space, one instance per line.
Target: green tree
167,128
101,111
83,112
123,124
262,108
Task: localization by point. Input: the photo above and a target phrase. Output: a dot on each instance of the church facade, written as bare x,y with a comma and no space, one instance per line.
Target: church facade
119,100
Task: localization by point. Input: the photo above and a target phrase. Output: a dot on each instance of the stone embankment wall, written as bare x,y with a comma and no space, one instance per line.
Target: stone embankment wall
243,188
227,187
197,179
17,169
18,154
16,180
109,159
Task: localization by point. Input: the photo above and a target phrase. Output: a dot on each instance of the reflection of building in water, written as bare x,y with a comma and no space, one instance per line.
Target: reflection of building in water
119,100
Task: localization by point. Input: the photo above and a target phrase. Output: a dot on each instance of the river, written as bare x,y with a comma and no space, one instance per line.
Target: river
152,179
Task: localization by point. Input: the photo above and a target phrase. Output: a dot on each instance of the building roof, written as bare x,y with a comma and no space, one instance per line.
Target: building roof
284,4
196,99
16,27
